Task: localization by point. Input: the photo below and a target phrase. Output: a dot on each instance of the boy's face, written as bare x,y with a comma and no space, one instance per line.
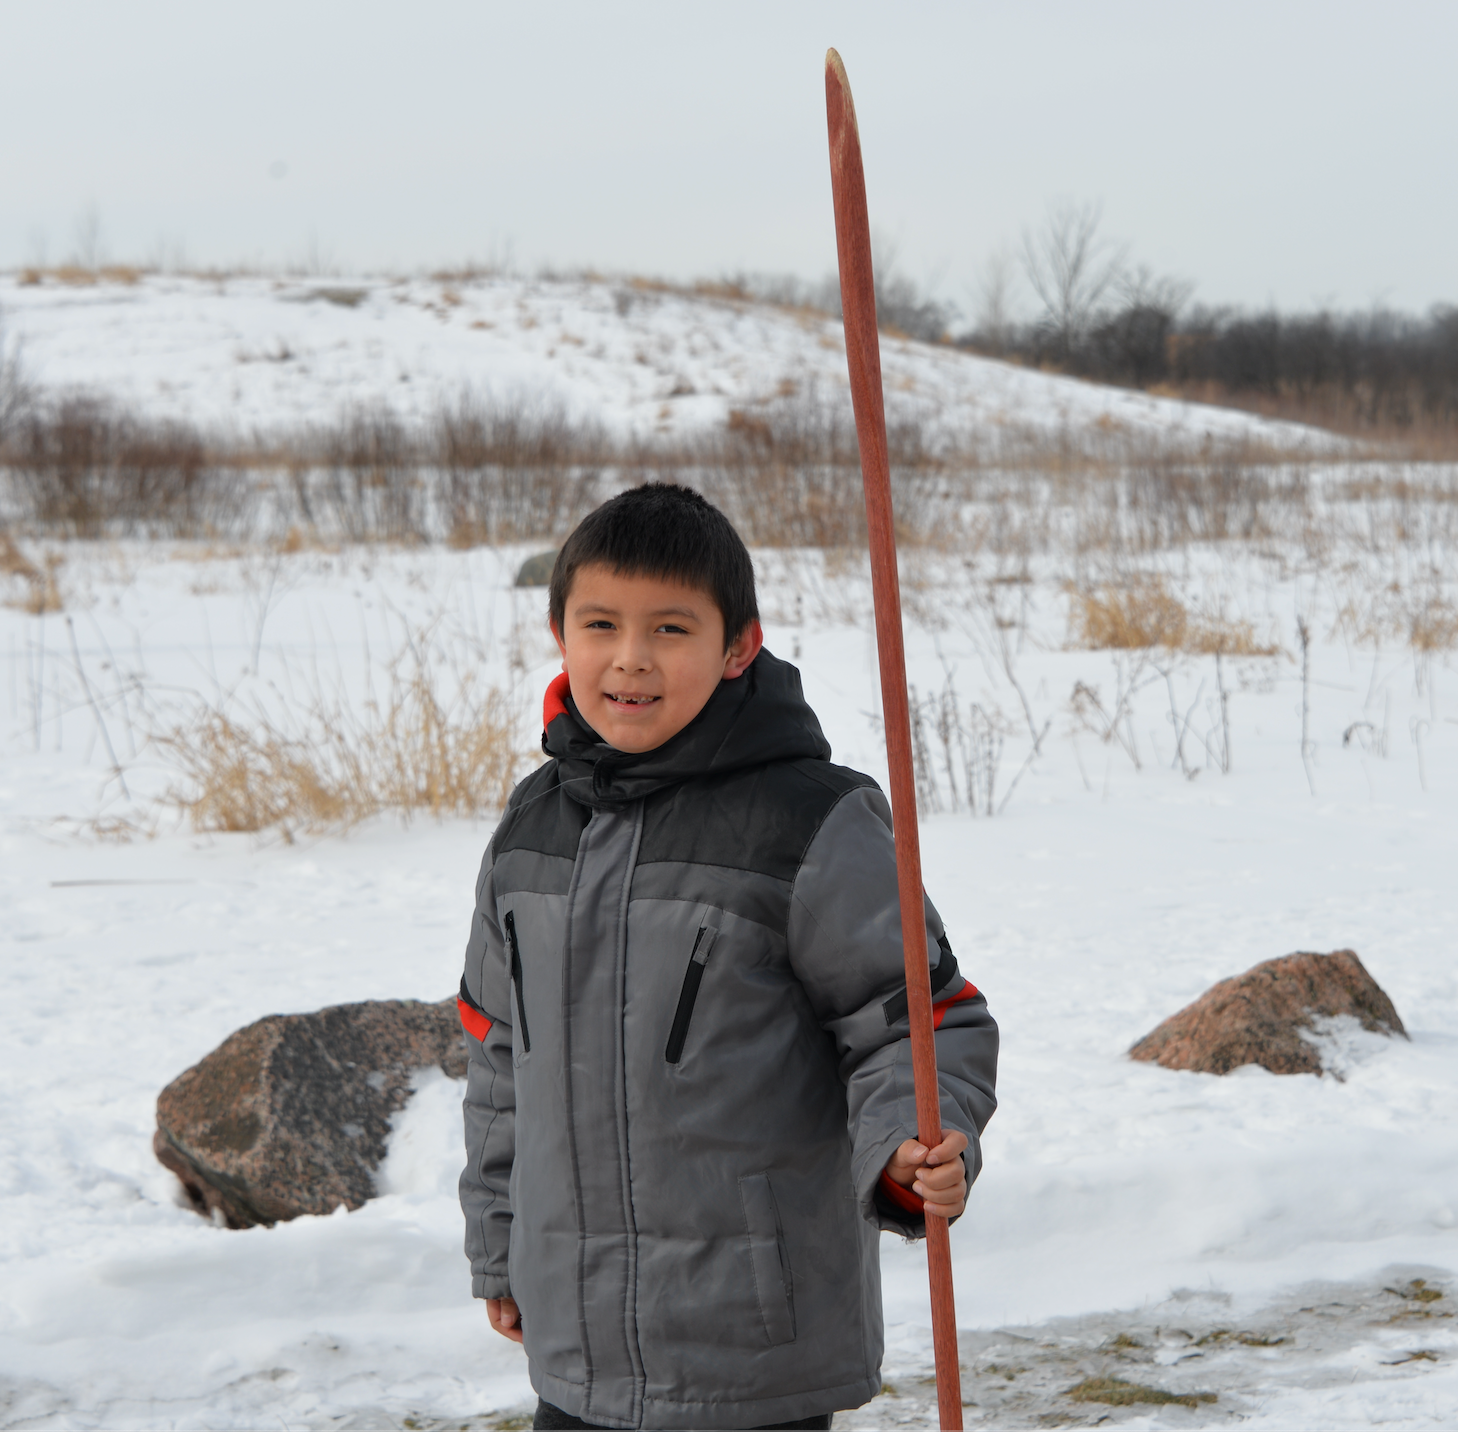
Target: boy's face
643,654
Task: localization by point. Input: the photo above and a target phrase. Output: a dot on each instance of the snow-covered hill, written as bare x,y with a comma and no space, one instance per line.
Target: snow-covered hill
262,354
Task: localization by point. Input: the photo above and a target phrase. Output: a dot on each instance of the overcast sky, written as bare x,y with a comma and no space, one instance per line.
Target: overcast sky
1296,153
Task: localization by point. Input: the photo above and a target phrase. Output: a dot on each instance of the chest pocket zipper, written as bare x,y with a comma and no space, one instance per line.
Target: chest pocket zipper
516,979
692,977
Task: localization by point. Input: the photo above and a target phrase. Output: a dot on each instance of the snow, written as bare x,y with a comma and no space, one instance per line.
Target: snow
255,354
1088,912
1179,1212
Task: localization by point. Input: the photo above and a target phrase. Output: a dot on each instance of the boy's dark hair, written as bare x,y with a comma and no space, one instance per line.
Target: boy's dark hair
662,530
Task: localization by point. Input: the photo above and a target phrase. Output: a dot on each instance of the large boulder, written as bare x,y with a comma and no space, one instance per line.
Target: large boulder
536,571
291,1114
1269,1015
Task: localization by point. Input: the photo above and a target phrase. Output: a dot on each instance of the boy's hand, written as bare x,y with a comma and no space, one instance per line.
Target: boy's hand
938,1177
506,1316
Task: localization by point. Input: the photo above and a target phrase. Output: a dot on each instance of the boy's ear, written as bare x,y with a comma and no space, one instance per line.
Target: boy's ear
742,651
557,637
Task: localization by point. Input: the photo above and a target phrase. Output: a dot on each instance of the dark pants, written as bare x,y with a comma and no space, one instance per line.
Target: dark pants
553,1417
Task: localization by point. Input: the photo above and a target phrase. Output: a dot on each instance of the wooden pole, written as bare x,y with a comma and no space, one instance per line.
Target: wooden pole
863,355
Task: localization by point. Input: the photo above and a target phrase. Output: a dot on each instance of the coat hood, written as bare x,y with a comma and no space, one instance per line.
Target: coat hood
758,717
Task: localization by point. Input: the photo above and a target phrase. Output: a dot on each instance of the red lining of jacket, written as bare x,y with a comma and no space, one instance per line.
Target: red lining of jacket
554,703
939,1011
473,1021
903,1198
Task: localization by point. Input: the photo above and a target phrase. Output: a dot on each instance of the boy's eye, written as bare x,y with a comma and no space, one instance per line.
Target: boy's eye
675,628
601,624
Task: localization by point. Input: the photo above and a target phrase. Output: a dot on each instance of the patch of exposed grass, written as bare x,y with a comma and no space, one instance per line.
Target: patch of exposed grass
341,297
1115,1392
1417,1291
1221,1335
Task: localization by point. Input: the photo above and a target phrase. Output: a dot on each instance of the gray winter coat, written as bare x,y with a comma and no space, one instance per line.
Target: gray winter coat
691,1064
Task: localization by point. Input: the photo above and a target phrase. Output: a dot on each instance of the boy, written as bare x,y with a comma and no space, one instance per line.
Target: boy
690,1103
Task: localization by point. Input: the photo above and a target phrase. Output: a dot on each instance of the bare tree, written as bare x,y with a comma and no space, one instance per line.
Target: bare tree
1141,287
1133,341
994,316
900,303
90,247
1071,268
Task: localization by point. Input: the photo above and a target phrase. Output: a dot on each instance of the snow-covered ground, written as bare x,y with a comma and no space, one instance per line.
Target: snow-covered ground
1166,1228
252,354
1255,1237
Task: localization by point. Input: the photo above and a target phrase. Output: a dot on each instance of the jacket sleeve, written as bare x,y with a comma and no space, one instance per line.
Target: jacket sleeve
490,1103
845,947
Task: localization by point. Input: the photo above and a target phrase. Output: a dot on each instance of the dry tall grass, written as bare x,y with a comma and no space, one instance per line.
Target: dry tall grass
1420,615
75,275
786,471
1142,613
439,742
514,472
788,474
1133,617
80,468
40,588
1419,437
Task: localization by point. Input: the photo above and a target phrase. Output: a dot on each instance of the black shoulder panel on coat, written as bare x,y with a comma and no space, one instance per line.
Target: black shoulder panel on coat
762,819
540,816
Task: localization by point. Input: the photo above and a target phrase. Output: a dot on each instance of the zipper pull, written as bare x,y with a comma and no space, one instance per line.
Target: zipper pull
704,944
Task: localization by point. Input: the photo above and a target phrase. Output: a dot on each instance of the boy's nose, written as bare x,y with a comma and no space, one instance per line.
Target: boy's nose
631,657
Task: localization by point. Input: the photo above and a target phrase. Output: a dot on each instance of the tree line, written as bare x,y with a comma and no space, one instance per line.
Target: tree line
1099,316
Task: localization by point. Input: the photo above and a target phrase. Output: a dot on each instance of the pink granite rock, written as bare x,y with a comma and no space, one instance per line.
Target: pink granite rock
291,1114
1266,1016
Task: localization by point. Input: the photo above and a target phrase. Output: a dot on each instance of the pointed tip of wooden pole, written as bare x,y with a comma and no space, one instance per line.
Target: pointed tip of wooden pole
835,69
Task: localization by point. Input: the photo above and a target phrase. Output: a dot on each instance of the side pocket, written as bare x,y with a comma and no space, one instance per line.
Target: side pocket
692,978
769,1258
516,978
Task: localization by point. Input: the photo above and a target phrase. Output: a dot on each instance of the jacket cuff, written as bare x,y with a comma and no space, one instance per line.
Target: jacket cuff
490,1285
893,1213
903,1198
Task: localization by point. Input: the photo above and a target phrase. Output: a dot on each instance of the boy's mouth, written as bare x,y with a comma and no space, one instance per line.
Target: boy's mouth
622,699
